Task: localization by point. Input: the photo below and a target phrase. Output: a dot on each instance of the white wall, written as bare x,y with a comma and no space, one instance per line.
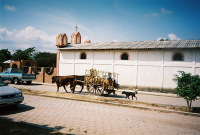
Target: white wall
169,75
144,69
127,74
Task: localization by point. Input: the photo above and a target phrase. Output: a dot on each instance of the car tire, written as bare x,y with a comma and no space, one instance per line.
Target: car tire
15,81
28,82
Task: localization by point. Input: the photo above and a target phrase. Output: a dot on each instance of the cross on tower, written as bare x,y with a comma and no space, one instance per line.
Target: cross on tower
76,27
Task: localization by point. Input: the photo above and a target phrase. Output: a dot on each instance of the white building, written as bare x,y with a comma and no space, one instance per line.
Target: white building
140,64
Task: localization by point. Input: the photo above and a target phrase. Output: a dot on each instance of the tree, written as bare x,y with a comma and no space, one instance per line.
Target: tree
23,55
4,55
188,87
45,59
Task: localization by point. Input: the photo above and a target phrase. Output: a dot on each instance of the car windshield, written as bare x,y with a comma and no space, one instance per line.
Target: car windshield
2,83
16,70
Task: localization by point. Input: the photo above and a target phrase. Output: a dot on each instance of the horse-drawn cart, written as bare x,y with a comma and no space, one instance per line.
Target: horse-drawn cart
97,82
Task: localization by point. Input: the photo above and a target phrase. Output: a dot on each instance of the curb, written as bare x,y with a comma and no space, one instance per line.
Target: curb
119,104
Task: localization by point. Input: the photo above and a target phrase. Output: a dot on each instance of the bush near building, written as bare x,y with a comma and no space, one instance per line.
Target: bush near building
188,87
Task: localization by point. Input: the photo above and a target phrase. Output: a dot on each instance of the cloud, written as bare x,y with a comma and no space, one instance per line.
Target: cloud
166,11
173,37
9,8
170,37
163,11
114,40
154,14
27,37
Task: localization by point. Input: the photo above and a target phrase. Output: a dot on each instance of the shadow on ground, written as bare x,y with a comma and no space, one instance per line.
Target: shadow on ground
114,96
196,110
13,109
103,95
32,84
24,83
9,127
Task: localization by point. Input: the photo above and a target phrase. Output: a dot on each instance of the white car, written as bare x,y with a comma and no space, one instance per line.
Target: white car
9,95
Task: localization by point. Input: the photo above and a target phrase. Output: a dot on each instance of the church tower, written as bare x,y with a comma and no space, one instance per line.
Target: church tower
62,40
76,37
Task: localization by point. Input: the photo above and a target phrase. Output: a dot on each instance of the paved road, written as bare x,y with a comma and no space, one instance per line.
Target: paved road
147,97
78,117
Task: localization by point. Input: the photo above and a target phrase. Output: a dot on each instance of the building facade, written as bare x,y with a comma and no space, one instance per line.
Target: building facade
139,64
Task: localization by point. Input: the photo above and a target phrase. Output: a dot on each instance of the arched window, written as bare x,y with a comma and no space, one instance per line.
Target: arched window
14,66
124,56
26,67
177,57
78,38
83,55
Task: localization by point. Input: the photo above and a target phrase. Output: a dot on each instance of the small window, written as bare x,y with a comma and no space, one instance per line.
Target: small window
177,57
14,66
124,56
83,55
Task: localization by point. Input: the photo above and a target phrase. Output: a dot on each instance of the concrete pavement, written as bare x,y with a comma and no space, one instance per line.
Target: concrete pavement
76,117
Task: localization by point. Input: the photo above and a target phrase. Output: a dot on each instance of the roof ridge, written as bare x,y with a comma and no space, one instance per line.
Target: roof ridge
136,45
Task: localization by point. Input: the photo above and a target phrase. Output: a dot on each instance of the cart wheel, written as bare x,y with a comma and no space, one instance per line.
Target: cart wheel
91,89
100,90
95,90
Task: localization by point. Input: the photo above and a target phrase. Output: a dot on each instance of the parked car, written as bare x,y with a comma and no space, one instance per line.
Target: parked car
9,95
16,75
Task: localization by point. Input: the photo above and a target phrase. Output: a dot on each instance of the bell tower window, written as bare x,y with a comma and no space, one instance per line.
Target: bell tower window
177,57
124,56
83,55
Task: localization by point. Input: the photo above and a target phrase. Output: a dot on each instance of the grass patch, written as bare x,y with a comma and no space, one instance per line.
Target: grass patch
106,100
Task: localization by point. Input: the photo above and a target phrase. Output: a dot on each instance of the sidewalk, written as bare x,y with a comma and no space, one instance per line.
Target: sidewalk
145,100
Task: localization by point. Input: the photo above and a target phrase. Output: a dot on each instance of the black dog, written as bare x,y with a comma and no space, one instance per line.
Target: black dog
130,94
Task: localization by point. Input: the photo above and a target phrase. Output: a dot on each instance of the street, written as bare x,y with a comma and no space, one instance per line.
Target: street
77,117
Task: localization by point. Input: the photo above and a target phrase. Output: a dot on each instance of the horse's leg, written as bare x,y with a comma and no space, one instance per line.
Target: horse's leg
72,86
72,89
65,88
57,87
82,86
114,93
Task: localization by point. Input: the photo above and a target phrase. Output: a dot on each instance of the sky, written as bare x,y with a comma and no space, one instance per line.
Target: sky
36,23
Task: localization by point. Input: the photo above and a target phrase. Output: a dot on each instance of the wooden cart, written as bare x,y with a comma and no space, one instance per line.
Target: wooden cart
97,83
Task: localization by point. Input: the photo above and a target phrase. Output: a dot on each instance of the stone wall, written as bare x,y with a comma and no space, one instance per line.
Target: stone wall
25,65
44,74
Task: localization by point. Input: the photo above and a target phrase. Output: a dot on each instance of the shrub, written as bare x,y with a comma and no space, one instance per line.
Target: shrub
188,87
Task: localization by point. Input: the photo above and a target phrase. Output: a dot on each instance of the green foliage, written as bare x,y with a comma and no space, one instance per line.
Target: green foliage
4,55
45,59
163,39
23,55
188,86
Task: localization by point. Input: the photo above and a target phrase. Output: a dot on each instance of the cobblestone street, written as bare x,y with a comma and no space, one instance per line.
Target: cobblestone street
76,117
